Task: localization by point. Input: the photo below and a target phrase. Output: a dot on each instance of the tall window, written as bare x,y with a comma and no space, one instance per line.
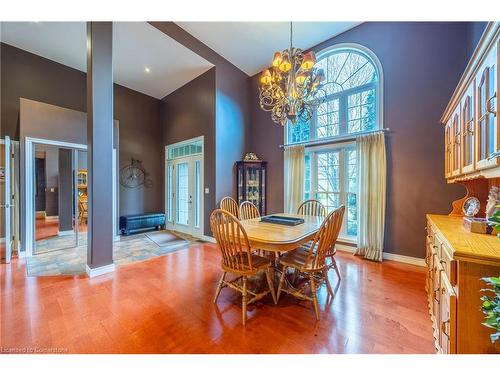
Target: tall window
350,108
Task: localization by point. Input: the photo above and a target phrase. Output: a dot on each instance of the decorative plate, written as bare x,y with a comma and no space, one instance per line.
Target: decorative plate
471,206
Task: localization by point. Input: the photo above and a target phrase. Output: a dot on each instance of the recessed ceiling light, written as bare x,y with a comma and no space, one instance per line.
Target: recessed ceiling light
146,69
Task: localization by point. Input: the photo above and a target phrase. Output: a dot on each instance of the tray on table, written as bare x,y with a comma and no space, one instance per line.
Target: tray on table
282,220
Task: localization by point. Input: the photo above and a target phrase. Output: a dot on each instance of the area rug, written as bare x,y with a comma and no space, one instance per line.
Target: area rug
165,238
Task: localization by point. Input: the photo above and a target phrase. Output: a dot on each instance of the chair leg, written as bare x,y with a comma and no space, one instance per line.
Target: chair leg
327,282
314,296
270,285
219,287
336,267
244,301
282,279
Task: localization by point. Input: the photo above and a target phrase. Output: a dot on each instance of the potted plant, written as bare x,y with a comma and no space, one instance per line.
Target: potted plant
491,306
494,220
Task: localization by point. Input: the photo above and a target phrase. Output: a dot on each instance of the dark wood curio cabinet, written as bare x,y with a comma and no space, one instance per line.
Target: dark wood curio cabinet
251,179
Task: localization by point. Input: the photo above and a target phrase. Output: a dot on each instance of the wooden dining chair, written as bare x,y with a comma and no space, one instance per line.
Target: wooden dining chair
238,259
248,210
230,205
312,207
311,261
330,254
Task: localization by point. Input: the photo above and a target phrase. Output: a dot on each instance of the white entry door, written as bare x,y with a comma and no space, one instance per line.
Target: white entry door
184,192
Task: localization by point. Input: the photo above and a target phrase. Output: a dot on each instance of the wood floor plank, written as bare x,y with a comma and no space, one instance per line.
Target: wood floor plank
164,305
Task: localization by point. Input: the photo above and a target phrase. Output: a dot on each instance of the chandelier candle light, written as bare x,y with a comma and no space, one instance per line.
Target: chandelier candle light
292,88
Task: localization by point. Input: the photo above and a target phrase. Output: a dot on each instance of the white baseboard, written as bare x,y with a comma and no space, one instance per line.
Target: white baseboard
51,217
65,232
2,240
404,259
208,239
93,272
387,256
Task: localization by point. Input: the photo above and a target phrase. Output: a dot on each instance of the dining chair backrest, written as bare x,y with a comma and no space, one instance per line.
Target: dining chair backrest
229,204
325,239
312,207
232,241
248,210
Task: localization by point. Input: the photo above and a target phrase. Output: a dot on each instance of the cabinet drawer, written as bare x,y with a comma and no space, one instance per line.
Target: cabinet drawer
447,321
448,263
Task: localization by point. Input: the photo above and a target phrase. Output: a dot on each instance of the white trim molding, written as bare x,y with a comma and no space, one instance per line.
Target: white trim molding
2,240
208,239
351,248
65,232
404,259
93,272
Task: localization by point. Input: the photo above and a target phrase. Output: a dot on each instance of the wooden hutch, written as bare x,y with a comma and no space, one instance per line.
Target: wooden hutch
455,257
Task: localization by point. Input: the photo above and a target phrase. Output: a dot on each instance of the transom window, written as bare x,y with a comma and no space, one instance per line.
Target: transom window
351,105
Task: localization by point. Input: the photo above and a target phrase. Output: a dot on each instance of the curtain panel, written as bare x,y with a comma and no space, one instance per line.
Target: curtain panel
294,177
371,195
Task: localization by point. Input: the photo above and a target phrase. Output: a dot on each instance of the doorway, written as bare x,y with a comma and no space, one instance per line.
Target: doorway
60,198
184,187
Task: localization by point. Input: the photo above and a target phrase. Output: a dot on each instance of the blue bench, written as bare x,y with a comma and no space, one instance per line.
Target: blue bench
134,223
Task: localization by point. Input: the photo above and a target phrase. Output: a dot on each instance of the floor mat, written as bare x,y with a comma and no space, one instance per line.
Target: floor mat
165,238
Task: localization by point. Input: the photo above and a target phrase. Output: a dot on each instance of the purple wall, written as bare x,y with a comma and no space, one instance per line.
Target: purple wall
232,111
422,63
189,112
474,33
26,75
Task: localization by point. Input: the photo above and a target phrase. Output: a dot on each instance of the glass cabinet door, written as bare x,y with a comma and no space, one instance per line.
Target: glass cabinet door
467,111
456,133
487,141
447,152
251,183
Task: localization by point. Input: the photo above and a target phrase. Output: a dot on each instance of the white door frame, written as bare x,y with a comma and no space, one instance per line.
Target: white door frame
8,199
171,225
29,178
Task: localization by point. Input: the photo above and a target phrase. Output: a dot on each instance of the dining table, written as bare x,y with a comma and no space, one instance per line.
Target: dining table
279,238
276,239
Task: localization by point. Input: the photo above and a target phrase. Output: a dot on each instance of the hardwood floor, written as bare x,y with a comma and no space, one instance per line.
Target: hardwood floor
164,305
46,228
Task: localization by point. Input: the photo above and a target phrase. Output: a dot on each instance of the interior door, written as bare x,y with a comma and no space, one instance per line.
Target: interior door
184,190
7,199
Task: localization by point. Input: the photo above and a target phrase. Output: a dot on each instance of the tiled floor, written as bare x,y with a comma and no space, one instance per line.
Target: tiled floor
72,260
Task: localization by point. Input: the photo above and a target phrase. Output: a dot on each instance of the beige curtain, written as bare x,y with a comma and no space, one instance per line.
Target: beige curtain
371,195
294,178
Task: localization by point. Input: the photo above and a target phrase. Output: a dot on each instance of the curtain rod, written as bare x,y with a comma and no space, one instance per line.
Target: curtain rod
334,140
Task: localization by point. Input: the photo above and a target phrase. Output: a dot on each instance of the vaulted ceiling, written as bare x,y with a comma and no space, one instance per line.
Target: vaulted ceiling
147,60
250,45
144,58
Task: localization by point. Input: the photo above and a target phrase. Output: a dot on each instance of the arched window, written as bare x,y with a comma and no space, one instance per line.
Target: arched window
353,90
